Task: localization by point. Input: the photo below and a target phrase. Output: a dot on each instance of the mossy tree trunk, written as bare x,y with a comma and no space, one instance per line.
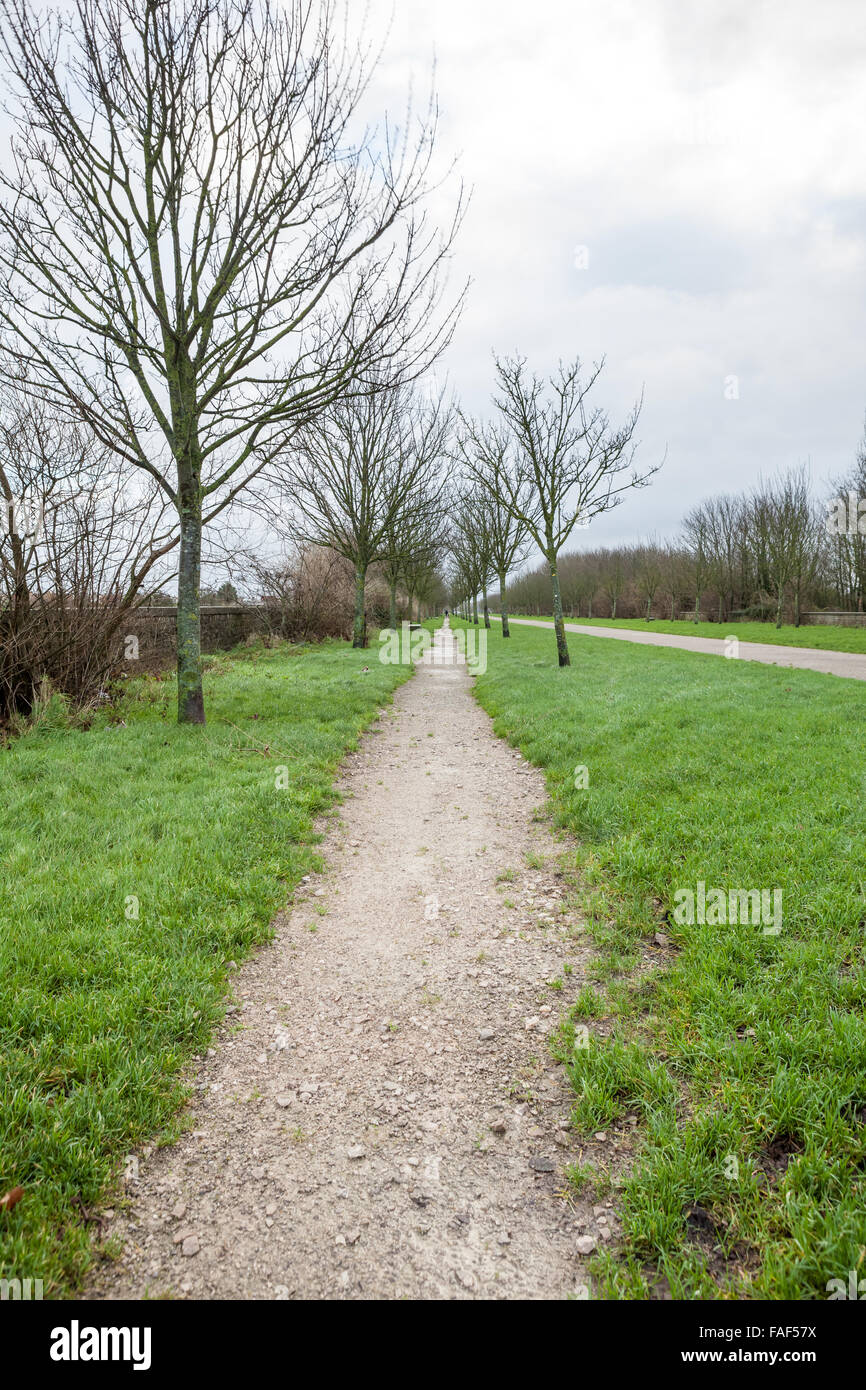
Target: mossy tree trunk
503,606
359,629
190,695
558,621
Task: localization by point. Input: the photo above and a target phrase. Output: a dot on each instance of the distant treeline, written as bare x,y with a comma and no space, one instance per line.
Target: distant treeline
769,554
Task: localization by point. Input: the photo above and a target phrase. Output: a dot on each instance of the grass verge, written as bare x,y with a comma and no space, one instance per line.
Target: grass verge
139,858
742,1053
818,636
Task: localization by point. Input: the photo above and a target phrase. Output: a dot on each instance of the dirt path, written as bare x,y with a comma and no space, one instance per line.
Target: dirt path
850,664
381,1118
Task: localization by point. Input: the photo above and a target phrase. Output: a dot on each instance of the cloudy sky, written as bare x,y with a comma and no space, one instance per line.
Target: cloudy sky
680,188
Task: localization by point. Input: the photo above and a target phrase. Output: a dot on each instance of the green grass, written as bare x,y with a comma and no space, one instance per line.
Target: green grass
743,1054
820,636
99,1008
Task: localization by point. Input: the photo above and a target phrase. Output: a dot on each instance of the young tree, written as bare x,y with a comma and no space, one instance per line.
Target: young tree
471,549
414,543
364,475
196,252
484,452
570,463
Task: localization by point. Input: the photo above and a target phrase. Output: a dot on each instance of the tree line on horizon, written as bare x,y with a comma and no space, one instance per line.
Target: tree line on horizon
778,550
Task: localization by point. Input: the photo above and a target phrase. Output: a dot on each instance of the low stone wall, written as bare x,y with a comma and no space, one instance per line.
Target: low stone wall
156,631
835,619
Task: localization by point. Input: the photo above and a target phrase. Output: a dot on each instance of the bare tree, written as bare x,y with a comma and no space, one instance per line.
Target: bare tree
783,515
197,253
697,533
471,547
612,579
848,539
416,545
416,539
570,462
362,476
649,574
80,546
306,592
484,452
723,538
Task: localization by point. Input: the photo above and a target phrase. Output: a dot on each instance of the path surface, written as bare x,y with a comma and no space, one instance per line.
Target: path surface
850,664
381,1118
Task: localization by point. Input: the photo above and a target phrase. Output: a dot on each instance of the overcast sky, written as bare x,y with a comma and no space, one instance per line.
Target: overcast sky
707,165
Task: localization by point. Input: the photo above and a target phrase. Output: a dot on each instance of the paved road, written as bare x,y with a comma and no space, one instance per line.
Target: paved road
850,664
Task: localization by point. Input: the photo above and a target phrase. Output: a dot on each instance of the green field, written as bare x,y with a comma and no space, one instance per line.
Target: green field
825,638
185,827
743,1054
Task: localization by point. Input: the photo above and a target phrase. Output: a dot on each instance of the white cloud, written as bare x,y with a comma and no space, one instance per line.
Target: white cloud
711,159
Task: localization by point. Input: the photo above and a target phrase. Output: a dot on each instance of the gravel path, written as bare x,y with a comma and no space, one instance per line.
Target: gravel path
381,1116
849,664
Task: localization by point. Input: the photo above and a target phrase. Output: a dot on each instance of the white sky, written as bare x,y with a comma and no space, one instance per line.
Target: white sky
711,158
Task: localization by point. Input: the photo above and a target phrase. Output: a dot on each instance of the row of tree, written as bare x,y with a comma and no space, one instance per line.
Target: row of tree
207,261
547,462
221,299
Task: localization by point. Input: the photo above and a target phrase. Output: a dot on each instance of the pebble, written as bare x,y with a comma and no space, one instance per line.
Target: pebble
585,1245
357,1151
486,1034
191,1246
178,1211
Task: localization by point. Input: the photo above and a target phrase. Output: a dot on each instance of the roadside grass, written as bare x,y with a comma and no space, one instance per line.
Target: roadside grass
817,635
743,1054
138,859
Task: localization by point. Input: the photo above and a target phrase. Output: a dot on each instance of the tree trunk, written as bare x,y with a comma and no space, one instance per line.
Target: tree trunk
392,592
558,623
503,607
190,696
359,630
486,610
475,609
